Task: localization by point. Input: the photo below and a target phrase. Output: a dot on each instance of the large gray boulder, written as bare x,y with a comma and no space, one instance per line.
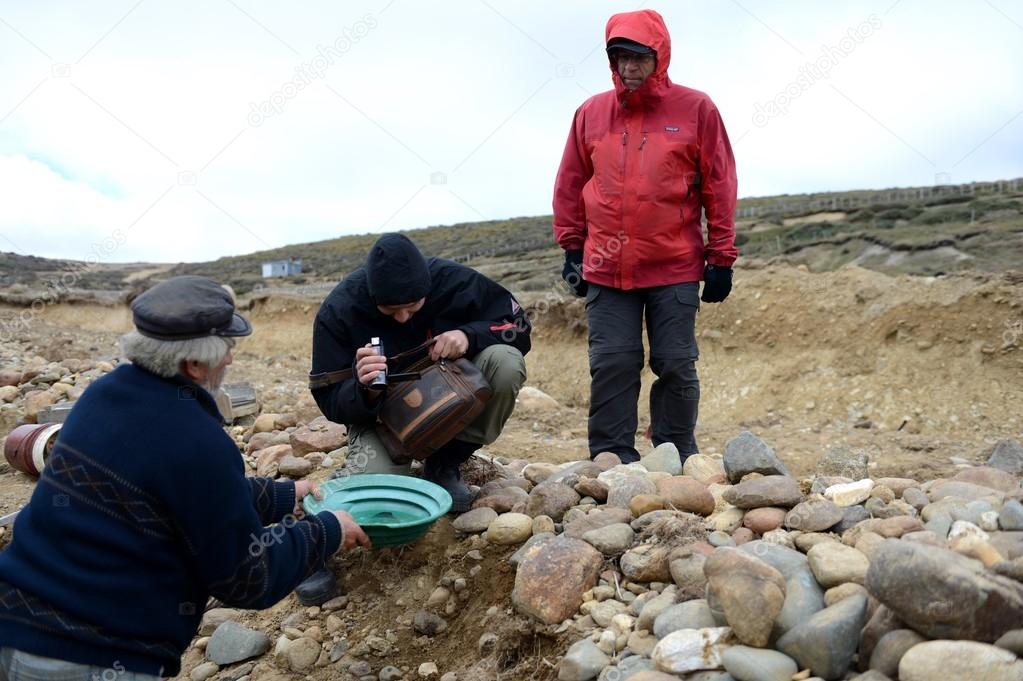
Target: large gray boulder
747,453
942,594
770,490
232,642
1007,455
826,643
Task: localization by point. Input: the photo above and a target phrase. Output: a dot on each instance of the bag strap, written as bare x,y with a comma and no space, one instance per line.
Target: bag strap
322,380
413,351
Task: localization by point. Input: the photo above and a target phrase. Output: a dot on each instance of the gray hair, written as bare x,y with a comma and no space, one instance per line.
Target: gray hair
164,358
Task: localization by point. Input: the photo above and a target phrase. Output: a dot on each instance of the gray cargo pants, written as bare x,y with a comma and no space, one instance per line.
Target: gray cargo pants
505,370
616,360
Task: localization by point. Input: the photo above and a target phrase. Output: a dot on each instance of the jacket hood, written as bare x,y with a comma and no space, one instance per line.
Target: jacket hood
646,27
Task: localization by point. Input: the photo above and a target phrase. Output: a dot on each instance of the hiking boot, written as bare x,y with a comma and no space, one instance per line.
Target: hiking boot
449,477
442,469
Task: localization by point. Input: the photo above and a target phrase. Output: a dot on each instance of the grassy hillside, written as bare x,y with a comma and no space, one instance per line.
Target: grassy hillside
333,258
924,230
916,231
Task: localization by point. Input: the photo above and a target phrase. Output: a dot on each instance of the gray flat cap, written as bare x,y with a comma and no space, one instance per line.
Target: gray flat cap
187,307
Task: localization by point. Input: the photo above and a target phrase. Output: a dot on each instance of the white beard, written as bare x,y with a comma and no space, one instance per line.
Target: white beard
213,382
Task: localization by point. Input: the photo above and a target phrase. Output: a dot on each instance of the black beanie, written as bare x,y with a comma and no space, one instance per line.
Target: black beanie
396,271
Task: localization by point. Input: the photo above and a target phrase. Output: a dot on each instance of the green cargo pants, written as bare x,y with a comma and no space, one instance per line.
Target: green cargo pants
505,370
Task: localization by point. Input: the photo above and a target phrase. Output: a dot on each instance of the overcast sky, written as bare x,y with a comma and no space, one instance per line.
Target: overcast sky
183,131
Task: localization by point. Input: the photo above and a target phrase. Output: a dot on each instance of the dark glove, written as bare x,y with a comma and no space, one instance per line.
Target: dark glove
717,283
572,272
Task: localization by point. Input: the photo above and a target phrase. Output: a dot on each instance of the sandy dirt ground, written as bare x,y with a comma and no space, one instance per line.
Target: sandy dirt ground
920,373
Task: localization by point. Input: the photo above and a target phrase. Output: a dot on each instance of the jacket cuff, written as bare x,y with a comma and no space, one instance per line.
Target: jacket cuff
470,333
284,499
719,260
362,398
333,533
572,242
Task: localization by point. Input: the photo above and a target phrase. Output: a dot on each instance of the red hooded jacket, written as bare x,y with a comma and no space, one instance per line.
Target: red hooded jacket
638,167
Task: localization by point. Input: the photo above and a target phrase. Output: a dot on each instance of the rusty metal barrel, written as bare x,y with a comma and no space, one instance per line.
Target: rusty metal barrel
28,446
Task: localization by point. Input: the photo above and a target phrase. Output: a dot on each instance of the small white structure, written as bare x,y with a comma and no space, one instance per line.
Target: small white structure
282,268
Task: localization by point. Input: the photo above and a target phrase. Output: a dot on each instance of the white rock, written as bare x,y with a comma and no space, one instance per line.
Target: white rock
989,521
606,642
690,650
620,472
850,493
622,624
624,482
281,649
961,528
534,399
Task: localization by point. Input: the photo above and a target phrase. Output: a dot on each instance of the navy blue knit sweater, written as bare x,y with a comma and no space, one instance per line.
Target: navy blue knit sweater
142,513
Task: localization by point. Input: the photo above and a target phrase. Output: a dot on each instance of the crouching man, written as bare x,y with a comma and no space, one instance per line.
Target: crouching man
143,510
404,300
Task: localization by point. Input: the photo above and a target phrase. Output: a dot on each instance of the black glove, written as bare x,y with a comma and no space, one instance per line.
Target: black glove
717,283
572,272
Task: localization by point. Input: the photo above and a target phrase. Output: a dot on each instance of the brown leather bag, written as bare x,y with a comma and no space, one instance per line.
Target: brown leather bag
425,407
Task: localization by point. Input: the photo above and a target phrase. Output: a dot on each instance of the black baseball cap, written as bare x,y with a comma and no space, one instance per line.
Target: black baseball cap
187,307
628,46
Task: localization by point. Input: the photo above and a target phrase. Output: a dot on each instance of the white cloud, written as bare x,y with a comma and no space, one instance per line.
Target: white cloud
459,89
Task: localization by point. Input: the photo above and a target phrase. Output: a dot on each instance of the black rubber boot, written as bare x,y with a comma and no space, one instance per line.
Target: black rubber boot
442,469
318,588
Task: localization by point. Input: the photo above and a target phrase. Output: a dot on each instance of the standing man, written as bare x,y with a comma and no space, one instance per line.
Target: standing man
404,300
640,164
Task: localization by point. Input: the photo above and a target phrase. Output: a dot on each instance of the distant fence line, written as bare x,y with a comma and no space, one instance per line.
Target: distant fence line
881,197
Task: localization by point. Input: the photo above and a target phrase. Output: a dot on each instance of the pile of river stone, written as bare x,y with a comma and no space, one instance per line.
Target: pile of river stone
28,389
732,569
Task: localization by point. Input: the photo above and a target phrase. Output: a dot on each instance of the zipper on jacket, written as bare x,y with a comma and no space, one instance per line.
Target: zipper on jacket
642,156
622,228
625,140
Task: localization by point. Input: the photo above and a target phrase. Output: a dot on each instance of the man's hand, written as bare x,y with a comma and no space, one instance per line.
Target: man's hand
572,273
717,283
302,488
354,535
449,345
368,364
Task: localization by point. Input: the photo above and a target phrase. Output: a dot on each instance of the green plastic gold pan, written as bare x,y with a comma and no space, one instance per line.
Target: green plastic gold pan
392,509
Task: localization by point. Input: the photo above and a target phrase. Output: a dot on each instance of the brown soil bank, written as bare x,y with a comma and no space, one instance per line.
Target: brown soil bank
914,369
931,365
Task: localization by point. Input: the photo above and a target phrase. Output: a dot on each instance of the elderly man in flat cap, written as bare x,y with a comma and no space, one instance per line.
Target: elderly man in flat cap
143,510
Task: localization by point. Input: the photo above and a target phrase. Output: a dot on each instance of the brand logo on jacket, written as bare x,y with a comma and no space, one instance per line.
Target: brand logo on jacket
671,128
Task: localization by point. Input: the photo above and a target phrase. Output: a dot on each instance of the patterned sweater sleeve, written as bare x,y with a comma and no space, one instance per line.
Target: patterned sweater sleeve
273,500
239,560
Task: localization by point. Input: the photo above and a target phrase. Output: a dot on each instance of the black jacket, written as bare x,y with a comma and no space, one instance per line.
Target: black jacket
459,298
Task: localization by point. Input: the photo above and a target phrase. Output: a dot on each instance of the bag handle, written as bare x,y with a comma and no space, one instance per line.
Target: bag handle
322,380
